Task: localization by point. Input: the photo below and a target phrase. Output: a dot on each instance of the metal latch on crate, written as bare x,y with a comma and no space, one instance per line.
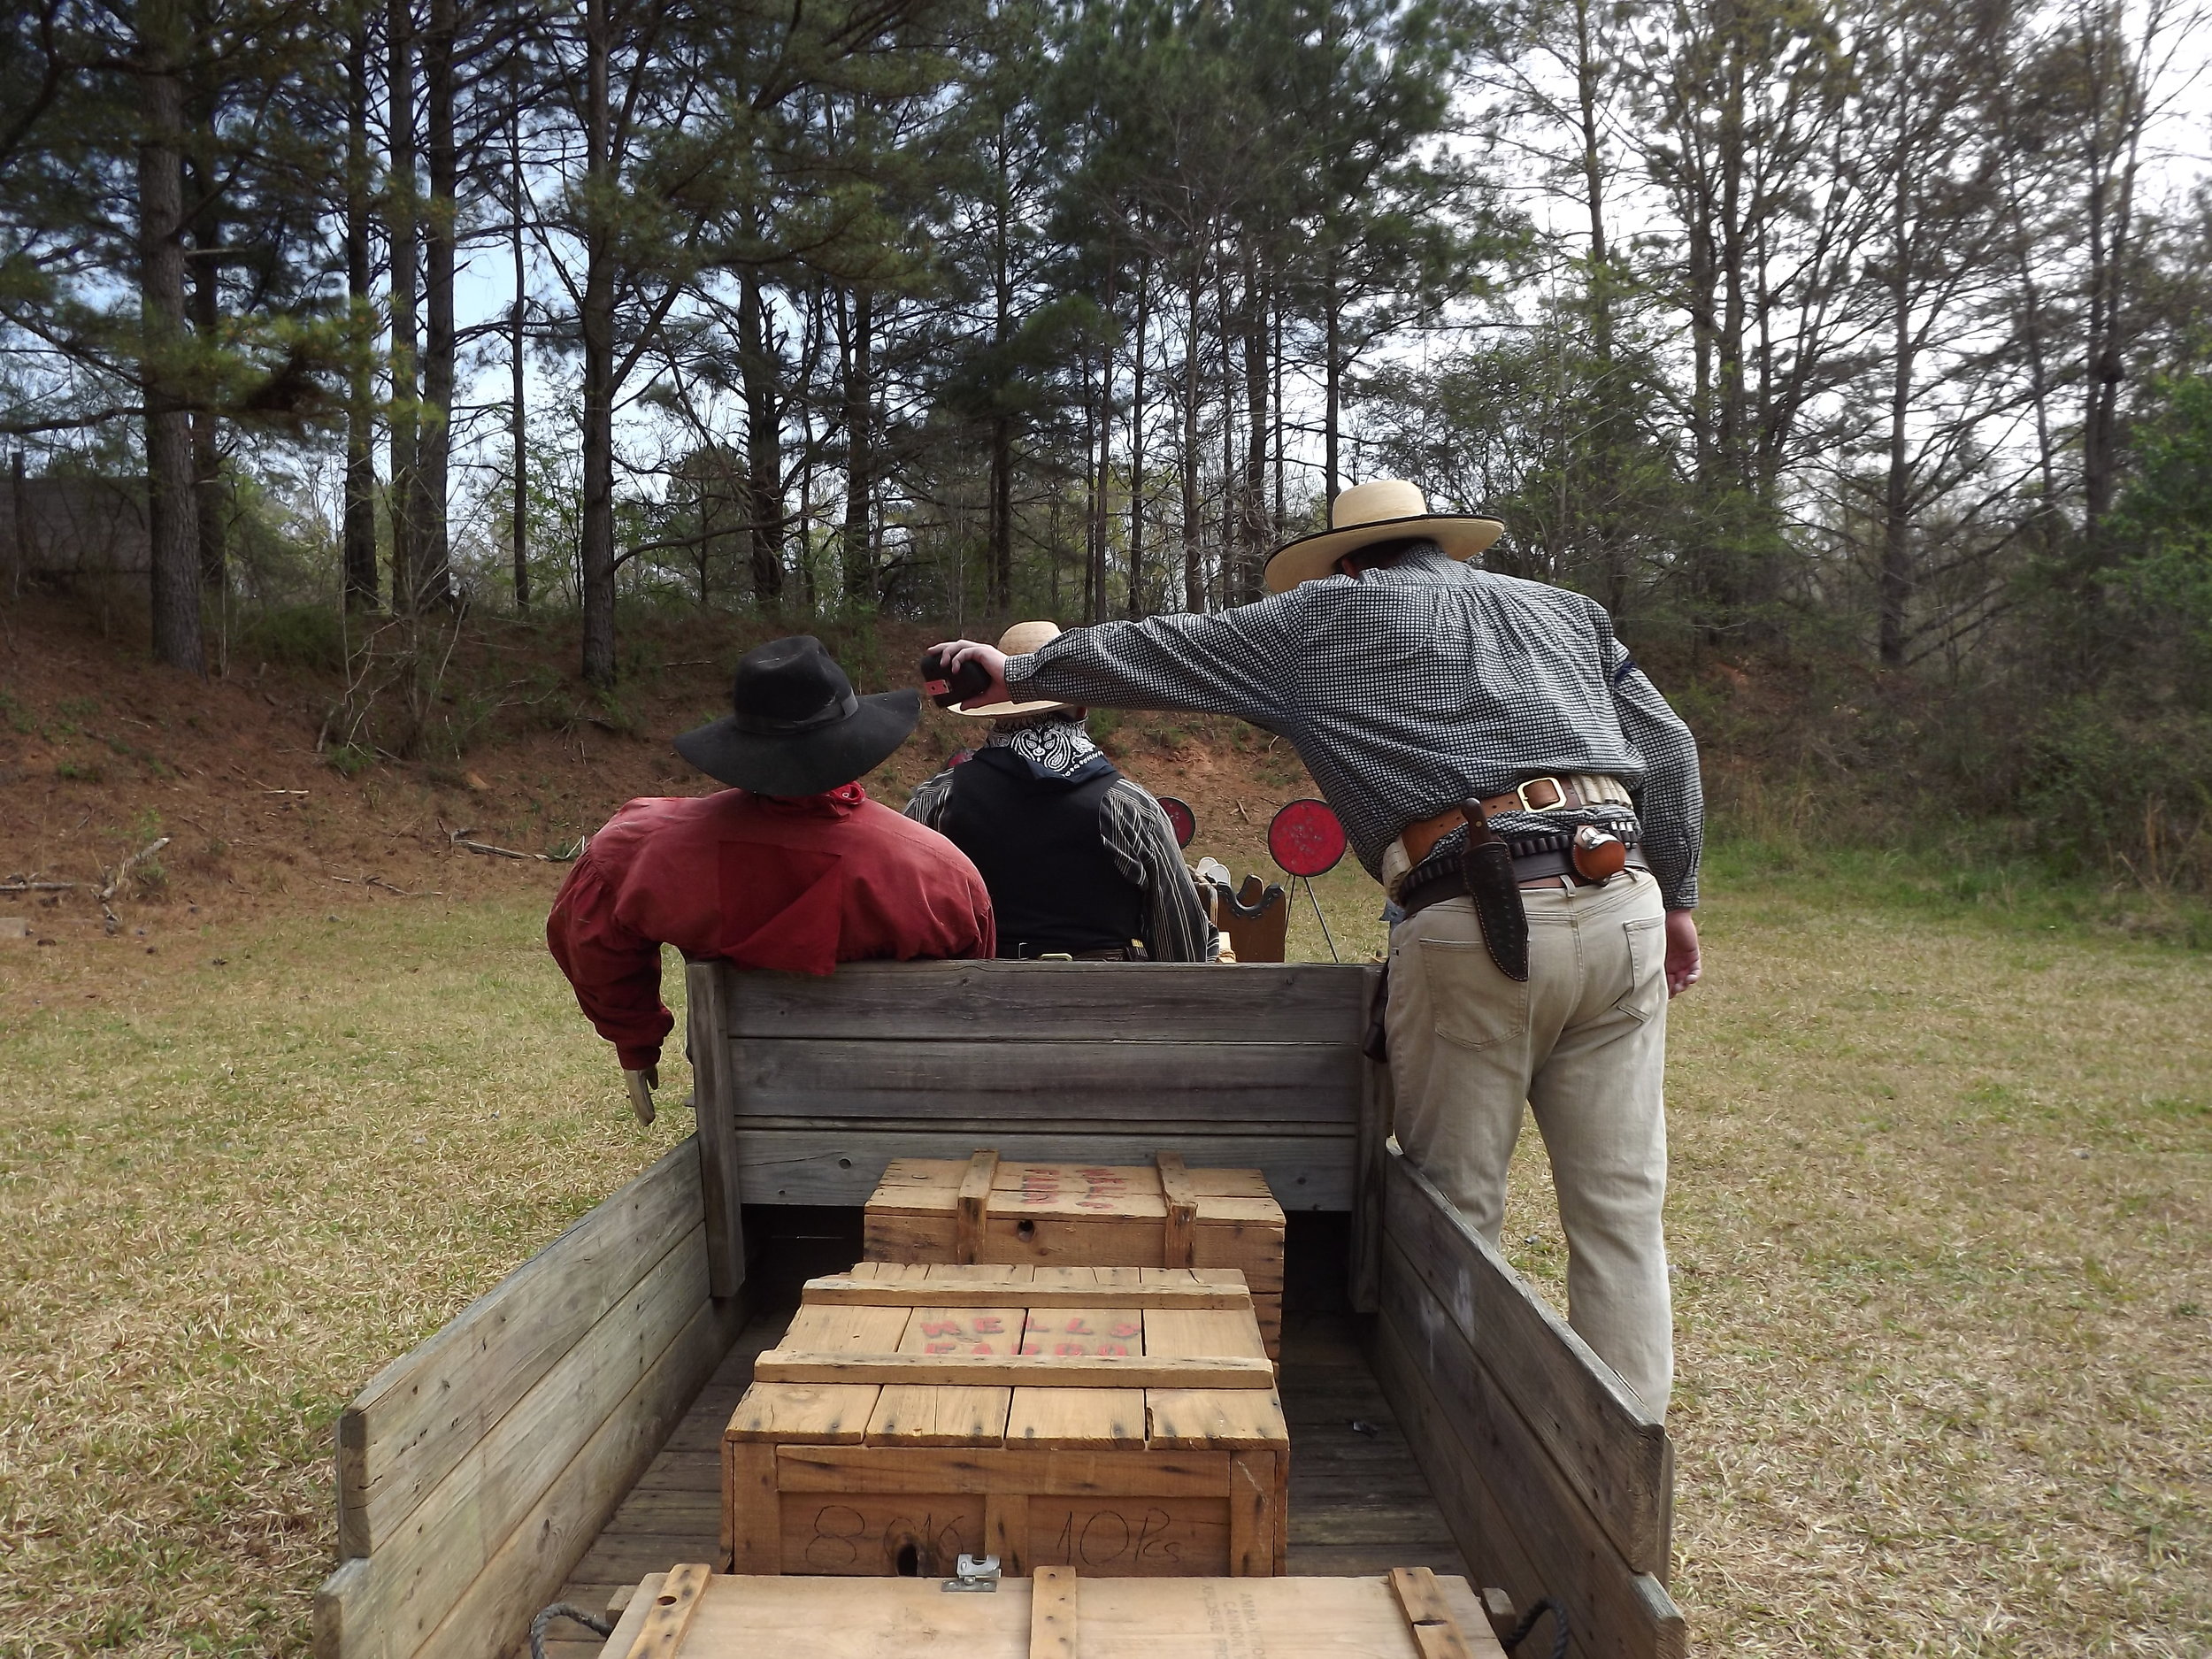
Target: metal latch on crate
974,1577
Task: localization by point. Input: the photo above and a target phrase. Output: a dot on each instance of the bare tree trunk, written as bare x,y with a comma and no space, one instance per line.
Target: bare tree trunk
1002,426
401,217
596,320
764,446
1282,500
1096,444
1194,573
519,413
2114,76
359,519
1896,575
1136,439
1255,525
860,552
175,568
433,581
207,452
1231,576
1333,375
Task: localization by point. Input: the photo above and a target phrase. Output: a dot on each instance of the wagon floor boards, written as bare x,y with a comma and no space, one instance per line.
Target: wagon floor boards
1357,1502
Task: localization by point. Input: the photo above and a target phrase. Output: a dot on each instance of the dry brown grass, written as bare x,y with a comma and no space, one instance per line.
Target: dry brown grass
1940,1218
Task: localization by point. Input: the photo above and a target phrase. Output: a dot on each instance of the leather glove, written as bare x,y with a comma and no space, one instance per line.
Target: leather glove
641,1085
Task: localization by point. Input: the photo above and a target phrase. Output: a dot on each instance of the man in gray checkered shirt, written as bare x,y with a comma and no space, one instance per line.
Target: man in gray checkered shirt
1410,682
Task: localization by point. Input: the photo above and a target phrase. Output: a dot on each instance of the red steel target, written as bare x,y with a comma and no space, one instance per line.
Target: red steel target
1180,818
1306,838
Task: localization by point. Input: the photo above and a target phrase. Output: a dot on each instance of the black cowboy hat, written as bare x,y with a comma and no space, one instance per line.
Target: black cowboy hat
795,728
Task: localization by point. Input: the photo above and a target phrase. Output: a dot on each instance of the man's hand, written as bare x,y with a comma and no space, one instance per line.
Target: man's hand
1682,964
641,1085
953,653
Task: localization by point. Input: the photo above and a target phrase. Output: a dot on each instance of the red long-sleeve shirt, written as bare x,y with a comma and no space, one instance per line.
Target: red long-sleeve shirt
795,884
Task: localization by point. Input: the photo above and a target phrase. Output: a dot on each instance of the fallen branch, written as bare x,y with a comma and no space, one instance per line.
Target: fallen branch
126,866
459,838
37,887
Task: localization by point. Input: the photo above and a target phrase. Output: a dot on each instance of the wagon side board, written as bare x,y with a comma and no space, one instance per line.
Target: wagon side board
475,1472
1554,1479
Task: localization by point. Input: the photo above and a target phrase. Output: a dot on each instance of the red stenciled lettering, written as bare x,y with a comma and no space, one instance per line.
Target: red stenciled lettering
1127,1328
941,1348
989,1325
982,1348
1076,1326
1068,1350
1031,1348
940,1327
1113,1350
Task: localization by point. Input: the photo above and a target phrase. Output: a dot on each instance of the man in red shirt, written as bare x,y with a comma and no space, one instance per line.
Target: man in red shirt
793,868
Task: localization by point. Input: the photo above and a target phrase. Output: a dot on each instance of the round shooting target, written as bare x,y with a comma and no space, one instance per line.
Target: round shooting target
1180,818
1306,838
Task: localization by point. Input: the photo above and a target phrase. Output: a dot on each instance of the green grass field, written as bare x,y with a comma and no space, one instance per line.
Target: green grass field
1941,1165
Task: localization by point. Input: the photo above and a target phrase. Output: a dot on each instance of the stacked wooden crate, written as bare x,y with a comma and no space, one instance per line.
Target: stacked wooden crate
1410,1613
1163,1215
1118,1420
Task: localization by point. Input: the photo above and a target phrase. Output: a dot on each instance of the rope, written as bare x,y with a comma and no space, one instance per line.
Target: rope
591,1622
1528,1623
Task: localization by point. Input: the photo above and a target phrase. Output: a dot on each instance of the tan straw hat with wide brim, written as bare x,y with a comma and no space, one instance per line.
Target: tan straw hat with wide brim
1018,641
1383,510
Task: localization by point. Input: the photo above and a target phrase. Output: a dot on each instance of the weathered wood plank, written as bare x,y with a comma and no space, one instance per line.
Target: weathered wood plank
425,1565
1377,1108
1610,1447
975,1287
969,1202
925,1002
1255,1514
829,1161
993,1371
1435,1630
1616,1612
1053,1614
509,1556
1038,1472
715,1102
1178,1236
425,1411
554,1533
1309,1083
670,1615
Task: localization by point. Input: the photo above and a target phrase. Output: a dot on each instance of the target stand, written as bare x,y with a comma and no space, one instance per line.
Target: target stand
1306,838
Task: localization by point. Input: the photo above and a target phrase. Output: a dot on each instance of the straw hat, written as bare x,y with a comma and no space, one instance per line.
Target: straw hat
1385,509
1018,641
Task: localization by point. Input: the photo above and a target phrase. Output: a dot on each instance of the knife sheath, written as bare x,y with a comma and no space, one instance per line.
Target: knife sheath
1488,862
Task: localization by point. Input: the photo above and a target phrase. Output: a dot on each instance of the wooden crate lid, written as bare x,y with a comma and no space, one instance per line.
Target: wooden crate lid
1023,1285
1074,1191
1408,1614
1019,1356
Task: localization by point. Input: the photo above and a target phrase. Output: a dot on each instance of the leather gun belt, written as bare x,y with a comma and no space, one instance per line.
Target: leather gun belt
1450,882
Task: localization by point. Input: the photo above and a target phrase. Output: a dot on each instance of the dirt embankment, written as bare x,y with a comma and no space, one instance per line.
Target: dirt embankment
103,753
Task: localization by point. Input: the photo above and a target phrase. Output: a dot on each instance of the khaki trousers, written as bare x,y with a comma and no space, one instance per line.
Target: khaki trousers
1584,1044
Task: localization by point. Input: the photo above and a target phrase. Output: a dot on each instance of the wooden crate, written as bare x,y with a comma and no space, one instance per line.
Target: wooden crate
1411,1613
1118,1420
1163,1215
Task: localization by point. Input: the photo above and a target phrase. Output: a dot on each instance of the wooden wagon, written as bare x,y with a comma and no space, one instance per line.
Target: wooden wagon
562,1436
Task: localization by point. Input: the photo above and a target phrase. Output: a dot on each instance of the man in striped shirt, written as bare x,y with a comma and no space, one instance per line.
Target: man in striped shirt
1412,682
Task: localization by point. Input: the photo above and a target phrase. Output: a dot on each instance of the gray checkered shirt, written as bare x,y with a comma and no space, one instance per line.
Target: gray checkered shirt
1409,689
